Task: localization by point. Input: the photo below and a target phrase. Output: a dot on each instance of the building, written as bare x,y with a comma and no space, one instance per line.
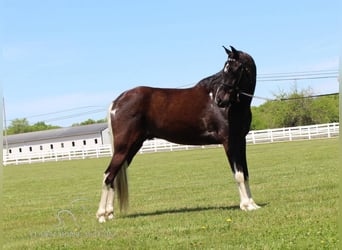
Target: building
61,139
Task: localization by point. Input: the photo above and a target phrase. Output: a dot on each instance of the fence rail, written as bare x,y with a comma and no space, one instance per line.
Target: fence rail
158,145
294,133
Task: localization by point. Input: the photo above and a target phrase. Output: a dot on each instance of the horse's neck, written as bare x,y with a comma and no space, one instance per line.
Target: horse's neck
210,82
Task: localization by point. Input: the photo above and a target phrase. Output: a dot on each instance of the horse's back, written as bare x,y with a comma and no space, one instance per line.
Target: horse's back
161,100
172,114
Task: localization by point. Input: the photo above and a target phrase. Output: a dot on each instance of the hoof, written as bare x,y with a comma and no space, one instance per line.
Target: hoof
250,206
110,216
100,216
102,219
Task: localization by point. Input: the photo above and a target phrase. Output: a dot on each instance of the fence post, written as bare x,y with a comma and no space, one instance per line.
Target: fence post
253,137
309,132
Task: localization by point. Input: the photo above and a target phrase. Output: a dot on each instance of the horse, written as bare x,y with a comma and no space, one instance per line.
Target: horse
214,111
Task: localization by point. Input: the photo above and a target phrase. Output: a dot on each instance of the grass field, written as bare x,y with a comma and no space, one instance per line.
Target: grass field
180,200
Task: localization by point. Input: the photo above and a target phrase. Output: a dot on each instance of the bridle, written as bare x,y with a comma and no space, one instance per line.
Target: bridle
236,85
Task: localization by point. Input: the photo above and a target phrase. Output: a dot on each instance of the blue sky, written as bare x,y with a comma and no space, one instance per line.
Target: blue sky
63,58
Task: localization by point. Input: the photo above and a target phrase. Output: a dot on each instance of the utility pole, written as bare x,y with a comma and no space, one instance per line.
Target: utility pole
5,124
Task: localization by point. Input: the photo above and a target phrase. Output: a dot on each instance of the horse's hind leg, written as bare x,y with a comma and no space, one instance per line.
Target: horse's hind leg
106,202
127,138
106,205
116,174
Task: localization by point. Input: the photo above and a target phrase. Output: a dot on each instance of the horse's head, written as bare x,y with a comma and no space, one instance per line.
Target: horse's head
236,78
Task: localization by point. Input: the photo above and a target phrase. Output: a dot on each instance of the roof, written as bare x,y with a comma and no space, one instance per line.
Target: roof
56,133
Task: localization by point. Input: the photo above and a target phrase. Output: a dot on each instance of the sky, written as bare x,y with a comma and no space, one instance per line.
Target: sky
64,61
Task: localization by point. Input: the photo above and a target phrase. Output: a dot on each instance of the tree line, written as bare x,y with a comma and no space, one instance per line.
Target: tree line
294,108
22,125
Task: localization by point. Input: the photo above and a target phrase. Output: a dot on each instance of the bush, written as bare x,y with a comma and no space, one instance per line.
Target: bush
296,108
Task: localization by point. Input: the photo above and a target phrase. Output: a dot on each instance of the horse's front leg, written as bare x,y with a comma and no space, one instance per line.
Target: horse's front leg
246,201
237,159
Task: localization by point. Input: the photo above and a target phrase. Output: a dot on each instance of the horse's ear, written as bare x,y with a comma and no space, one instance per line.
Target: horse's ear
234,54
227,51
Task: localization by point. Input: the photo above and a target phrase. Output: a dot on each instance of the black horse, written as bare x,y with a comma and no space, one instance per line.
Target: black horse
214,111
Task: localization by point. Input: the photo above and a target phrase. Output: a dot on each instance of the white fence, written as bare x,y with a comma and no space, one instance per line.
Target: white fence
55,155
158,145
294,133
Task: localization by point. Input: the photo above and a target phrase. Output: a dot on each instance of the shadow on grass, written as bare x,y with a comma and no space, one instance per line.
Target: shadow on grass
185,210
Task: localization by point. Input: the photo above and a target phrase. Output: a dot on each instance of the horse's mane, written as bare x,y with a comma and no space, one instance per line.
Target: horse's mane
211,82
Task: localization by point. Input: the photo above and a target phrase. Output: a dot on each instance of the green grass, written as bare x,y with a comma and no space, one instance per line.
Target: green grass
180,200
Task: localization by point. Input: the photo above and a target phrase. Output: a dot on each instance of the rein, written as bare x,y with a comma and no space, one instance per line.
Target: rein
254,96
239,92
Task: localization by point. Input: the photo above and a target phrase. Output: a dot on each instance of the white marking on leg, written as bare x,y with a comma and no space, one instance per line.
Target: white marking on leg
251,201
110,204
246,201
100,214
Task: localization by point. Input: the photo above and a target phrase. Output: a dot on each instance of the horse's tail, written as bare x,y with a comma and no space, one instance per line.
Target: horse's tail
120,181
121,186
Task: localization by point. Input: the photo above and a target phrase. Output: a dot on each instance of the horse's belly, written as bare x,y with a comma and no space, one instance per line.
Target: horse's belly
189,135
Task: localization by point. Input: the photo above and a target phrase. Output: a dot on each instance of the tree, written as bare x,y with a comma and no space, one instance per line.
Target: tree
39,126
325,109
102,120
22,125
295,108
18,126
89,121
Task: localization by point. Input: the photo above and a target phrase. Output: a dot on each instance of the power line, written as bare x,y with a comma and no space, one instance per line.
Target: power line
295,78
288,99
62,111
301,72
303,75
74,115
268,77
98,110
292,76
305,97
